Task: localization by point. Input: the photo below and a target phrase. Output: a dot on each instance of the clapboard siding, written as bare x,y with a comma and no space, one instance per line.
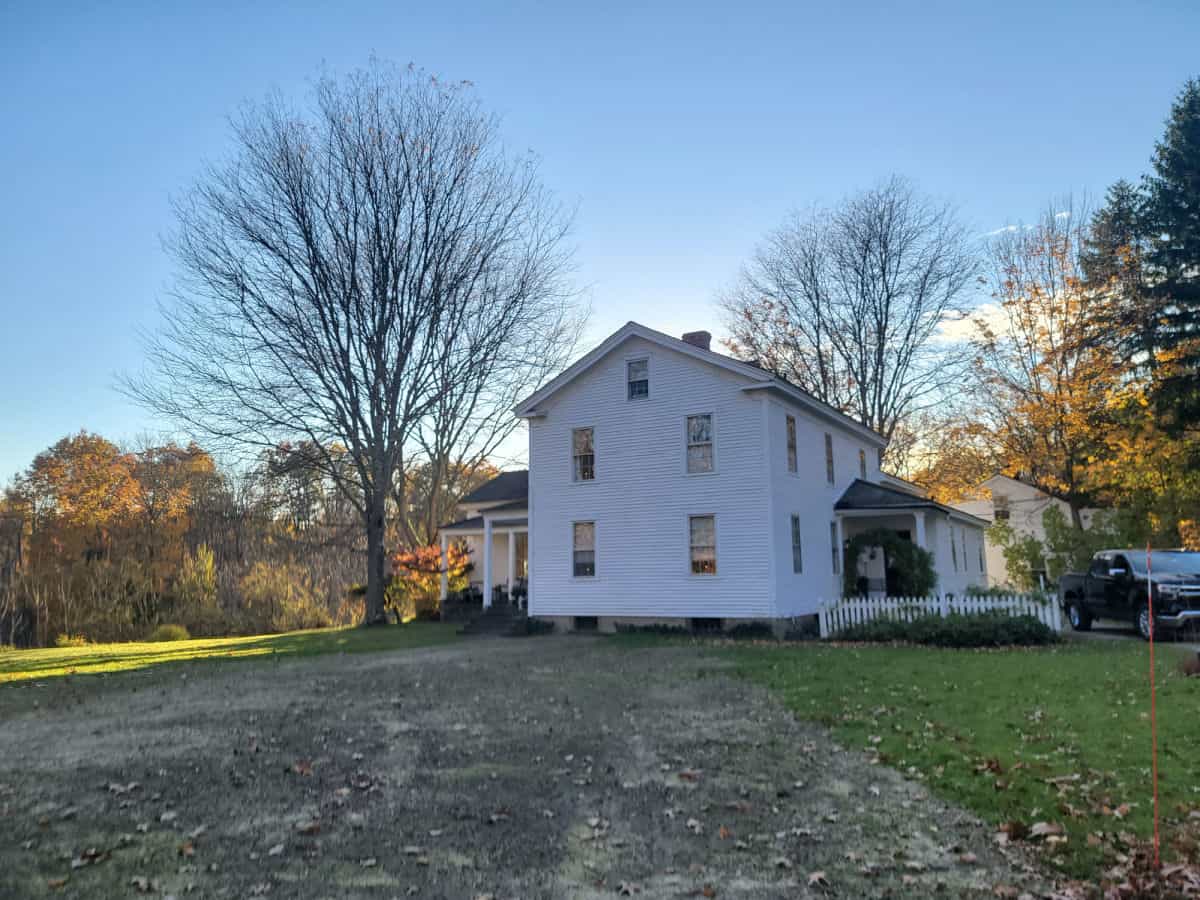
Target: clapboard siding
808,493
641,497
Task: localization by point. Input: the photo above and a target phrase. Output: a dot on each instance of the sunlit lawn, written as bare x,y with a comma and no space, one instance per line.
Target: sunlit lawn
18,665
1058,735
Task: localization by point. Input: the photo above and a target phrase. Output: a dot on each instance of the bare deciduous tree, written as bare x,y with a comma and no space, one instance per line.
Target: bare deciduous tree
847,303
351,263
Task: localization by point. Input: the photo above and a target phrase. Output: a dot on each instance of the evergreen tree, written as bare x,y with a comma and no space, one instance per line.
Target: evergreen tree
1174,256
1113,263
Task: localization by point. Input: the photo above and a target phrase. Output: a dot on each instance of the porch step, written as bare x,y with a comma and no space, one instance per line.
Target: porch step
496,619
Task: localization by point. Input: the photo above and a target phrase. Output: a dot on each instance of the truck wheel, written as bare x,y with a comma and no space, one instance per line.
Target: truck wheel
1142,622
1080,618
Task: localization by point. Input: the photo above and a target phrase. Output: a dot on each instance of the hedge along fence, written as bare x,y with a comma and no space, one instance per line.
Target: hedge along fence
849,611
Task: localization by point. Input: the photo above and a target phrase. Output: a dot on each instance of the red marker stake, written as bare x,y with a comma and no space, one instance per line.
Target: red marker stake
1153,716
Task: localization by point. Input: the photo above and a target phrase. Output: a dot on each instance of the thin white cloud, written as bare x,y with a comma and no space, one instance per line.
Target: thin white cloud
962,328
1004,230
1065,214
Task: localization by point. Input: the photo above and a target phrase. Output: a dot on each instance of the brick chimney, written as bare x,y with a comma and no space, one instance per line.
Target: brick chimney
699,339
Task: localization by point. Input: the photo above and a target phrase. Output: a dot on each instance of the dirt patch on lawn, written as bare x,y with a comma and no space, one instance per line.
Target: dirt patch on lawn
548,767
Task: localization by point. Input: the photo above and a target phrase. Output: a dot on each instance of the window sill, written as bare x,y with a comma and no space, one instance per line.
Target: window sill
701,474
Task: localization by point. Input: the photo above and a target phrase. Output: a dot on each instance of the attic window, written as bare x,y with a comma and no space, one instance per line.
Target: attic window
637,372
1000,507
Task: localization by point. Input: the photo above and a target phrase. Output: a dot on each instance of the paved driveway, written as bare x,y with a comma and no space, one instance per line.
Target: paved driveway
547,767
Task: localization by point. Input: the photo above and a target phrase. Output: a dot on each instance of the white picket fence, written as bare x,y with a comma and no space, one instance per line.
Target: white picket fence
848,611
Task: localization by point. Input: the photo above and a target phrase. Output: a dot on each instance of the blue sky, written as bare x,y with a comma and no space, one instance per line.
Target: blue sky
682,132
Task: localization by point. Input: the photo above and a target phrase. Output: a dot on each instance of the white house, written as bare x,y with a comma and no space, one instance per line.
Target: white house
671,482
1001,498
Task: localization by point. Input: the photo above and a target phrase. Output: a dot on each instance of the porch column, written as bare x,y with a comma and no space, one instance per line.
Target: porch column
919,520
487,562
512,564
445,560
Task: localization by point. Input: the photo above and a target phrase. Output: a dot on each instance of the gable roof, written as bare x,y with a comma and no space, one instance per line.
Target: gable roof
760,378
504,488
866,495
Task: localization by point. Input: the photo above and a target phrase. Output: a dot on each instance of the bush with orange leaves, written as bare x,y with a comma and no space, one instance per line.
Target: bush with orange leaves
415,588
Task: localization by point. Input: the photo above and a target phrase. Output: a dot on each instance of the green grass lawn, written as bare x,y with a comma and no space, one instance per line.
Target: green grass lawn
1057,735
92,659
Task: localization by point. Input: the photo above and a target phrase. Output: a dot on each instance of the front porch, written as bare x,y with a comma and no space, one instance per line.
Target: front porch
497,541
872,575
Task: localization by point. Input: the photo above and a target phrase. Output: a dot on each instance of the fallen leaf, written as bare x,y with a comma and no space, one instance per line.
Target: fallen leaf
817,879
58,883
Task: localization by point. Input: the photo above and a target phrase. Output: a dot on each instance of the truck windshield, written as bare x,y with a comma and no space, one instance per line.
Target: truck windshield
1167,563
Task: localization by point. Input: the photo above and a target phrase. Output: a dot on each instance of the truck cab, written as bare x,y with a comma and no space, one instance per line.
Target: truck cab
1118,585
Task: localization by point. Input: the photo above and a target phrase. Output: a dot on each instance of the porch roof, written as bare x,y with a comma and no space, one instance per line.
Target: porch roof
865,496
475,524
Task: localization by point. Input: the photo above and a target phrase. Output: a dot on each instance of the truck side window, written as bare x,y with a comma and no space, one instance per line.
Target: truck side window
1099,566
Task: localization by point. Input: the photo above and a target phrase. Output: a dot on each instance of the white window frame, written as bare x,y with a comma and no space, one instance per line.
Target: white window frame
830,467
595,547
630,360
835,548
792,443
797,538
688,525
687,445
574,479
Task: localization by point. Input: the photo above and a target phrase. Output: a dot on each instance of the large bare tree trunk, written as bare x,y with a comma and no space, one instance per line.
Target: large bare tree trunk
376,567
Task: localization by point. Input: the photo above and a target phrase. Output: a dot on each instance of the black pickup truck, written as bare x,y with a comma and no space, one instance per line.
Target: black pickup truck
1115,585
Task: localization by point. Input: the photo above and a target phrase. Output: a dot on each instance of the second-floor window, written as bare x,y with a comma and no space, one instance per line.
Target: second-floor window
583,452
699,444
829,457
862,464
791,443
637,376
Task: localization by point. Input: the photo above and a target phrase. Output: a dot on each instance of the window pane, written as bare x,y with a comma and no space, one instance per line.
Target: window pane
791,444
703,551
837,551
585,536
639,389
797,555
862,463
829,458
639,370
700,458
585,467
583,556
584,454
699,429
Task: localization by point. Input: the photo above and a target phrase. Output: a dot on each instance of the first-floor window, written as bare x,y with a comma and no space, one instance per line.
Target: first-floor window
837,551
981,566
953,549
584,548
702,536
797,553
